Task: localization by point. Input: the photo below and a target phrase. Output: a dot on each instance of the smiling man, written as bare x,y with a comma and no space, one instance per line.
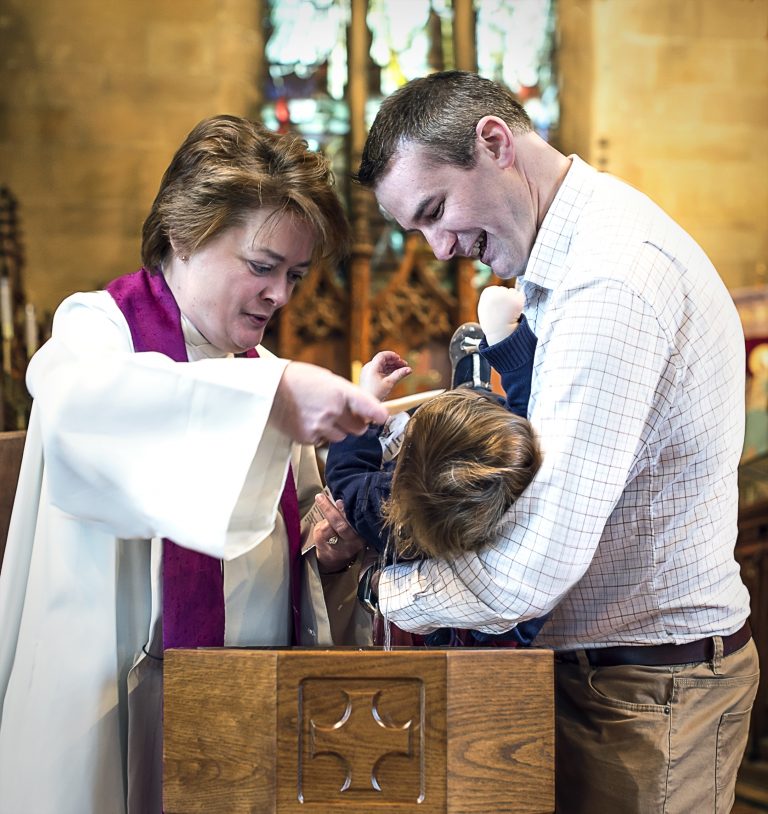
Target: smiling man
628,530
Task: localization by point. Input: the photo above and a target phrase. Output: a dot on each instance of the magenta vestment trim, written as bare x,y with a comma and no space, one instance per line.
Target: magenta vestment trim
193,583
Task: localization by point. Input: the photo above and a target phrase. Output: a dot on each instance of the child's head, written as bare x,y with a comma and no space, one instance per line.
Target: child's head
465,459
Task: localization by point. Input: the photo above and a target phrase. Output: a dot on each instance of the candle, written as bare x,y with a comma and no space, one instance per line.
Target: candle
6,319
30,329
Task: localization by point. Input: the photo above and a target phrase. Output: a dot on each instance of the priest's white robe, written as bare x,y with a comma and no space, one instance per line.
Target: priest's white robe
122,450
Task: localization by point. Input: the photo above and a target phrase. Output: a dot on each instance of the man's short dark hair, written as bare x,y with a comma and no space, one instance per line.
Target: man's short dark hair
439,111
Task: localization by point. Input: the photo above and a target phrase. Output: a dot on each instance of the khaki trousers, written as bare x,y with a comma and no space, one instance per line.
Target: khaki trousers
652,740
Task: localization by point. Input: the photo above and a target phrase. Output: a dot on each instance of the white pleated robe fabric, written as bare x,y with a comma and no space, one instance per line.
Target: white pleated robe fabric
122,450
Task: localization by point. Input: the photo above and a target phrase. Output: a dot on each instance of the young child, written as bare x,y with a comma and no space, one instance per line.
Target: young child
465,458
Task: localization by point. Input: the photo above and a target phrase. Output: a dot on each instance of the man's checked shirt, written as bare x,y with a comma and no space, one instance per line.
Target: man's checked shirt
637,394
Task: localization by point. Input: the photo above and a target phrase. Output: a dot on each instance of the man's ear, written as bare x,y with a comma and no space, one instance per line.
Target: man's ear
495,137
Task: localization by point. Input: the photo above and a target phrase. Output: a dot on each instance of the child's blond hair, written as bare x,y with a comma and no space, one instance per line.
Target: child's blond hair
465,459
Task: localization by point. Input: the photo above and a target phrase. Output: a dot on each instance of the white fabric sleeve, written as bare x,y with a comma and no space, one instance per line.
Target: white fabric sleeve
143,446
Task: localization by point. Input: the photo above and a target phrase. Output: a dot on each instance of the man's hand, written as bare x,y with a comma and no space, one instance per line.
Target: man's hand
314,406
382,373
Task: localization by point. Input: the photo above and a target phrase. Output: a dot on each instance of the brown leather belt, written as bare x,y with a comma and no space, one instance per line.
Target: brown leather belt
657,655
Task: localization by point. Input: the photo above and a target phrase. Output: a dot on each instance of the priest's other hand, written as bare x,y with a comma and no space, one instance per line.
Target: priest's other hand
337,544
314,406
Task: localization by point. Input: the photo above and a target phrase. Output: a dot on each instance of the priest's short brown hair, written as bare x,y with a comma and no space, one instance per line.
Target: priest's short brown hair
226,168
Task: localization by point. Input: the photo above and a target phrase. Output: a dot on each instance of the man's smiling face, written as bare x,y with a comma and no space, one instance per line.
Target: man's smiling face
484,212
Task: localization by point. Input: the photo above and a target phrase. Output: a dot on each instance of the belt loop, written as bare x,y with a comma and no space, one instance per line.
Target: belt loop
717,655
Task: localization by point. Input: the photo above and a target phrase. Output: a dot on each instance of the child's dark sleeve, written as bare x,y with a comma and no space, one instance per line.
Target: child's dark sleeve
354,474
521,635
513,359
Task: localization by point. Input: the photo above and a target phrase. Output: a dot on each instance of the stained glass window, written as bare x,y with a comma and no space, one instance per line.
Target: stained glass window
515,45
306,55
306,80
306,77
403,38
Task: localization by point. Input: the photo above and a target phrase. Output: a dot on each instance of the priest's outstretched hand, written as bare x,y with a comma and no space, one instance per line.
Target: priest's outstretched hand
314,406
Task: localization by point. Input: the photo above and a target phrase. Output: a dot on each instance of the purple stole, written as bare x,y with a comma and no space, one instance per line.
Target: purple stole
193,583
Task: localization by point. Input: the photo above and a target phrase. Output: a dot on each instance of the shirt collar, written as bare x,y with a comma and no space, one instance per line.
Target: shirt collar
546,265
194,339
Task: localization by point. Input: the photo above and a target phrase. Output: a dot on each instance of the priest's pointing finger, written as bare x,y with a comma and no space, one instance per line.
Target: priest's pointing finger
313,405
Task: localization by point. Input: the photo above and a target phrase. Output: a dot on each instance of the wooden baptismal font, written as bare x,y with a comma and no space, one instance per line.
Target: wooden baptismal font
284,731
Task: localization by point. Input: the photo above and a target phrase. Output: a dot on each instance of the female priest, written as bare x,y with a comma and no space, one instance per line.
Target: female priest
161,492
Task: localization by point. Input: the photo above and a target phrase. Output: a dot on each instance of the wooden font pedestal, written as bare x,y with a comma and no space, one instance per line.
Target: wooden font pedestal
455,731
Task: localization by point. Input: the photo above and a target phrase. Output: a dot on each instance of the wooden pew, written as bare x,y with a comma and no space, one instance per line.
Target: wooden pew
11,448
